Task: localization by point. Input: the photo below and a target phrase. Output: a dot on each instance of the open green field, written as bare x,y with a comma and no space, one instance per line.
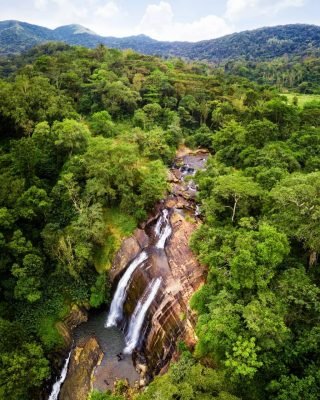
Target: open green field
302,98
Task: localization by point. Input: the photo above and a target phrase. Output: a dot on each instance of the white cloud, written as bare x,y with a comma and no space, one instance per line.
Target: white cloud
108,10
239,9
157,16
158,22
40,4
71,10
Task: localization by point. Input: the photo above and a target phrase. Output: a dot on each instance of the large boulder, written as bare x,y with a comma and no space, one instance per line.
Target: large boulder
84,358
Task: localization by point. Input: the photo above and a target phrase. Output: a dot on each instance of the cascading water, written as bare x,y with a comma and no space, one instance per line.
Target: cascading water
138,316
163,230
166,271
157,228
116,308
57,386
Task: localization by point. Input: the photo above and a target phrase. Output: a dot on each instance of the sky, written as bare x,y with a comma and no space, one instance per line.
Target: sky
190,20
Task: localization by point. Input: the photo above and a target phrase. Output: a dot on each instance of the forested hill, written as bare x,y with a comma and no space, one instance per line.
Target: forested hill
259,44
86,136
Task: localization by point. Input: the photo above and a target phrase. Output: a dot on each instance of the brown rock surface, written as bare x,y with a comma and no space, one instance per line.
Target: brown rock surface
77,316
185,151
84,359
183,263
177,202
171,316
172,178
129,249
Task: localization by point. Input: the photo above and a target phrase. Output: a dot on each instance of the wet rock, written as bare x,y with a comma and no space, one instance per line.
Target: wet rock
153,216
142,369
65,333
136,385
76,316
142,383
183,263
84,358
172,317
142,238
172,178
178,202
129,249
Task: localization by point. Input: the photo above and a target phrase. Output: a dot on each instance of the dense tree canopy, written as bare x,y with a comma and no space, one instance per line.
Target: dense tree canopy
86,136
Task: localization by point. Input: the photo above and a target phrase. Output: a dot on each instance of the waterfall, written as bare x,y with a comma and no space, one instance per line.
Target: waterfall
163,229
157,228
57,386
116,308
138,316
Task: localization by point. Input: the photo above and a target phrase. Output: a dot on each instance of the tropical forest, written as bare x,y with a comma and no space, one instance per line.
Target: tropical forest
159,226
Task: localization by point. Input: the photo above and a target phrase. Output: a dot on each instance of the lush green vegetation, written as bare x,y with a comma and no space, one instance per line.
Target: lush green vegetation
258,313
77,175
302,99
85,137
299,73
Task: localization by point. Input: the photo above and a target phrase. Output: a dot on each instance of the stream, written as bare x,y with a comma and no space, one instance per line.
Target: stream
143,321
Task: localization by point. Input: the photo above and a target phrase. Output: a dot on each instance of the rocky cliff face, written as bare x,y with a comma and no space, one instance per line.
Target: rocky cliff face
129,249
84,358
170,317
76,317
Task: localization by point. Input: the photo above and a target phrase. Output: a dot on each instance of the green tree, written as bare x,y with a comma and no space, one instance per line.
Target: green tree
28,278
101,124
72,136
234,192
21,371
228,142
295,208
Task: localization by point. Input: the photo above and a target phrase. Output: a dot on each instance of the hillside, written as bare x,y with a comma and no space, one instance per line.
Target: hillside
86,140
260,44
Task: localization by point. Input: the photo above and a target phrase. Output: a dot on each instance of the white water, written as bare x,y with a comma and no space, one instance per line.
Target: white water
116,308
165,231
138,316
57,386
157,228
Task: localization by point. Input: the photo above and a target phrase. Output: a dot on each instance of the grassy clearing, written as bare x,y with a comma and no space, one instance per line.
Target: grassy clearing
302,98
118,226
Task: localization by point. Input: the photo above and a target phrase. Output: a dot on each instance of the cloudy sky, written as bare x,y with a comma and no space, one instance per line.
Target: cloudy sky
163,19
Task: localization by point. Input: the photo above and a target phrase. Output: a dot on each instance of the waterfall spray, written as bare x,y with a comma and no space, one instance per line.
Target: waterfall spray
116,308
57,386
138,316
163,230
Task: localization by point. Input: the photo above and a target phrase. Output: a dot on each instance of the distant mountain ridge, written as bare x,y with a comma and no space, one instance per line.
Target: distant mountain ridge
263,43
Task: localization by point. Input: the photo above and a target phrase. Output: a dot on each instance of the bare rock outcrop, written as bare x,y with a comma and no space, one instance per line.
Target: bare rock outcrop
129,249
171,315
84,358
76,316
